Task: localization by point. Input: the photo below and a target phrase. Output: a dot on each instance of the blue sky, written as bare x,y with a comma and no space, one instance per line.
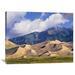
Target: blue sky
35,15
22,23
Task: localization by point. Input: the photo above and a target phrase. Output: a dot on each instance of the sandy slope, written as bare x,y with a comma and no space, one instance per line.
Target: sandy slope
21,52
45,48
9,44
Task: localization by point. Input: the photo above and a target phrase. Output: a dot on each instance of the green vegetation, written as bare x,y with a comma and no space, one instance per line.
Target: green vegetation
40,60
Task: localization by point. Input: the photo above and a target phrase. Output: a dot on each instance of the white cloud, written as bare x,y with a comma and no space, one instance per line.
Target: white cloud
56,19
21,27
27,26
12,16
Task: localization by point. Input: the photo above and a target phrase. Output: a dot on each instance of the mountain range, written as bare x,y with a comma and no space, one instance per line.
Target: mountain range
62,34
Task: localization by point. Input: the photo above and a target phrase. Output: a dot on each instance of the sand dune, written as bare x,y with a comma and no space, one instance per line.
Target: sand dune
48,48
9,44
21,52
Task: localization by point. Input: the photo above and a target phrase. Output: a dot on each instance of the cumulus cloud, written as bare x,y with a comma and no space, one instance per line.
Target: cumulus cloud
38,25
28,26
56,19
13,16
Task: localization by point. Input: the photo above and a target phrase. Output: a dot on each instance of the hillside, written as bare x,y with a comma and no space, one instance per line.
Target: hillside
9,44
47,48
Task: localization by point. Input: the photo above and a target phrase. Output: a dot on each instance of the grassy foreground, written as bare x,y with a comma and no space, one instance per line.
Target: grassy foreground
40,60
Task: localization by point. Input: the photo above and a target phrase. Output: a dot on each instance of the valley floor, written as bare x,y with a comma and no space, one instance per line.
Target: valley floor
47,59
